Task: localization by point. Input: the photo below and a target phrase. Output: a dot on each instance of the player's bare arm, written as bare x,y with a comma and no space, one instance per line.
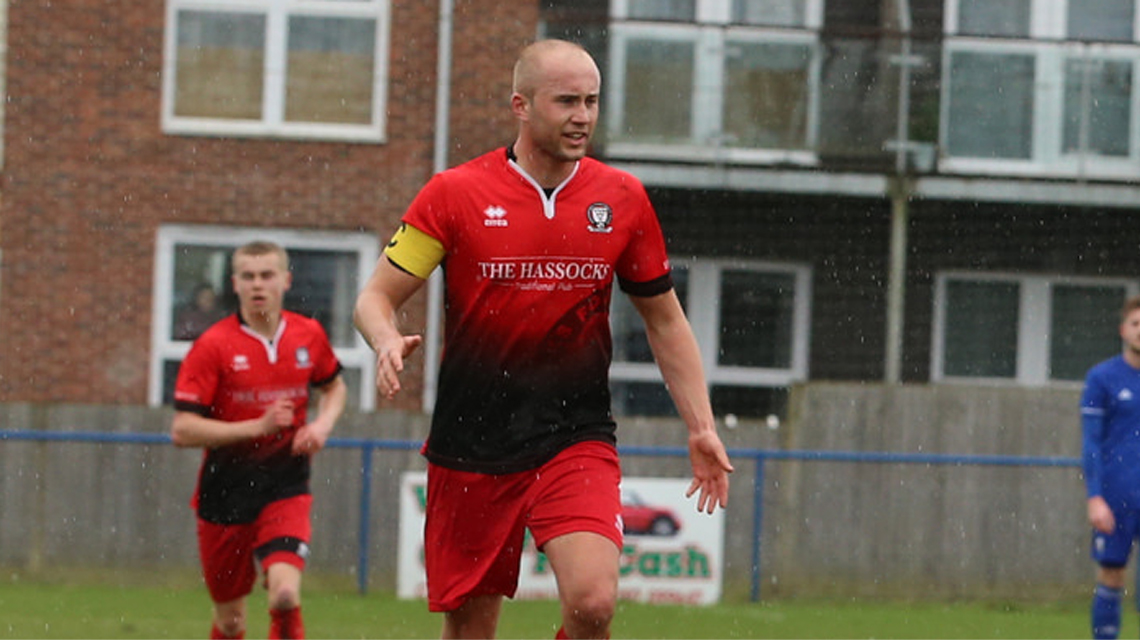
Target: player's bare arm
678,356
189,429
312,437
375,317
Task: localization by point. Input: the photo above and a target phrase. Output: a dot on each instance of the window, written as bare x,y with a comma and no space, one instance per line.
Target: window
1105,20
662,9
1009,18
328,271
286,68
714,80
987,123
750,320
1097,107
1041,88
1024,329
776,13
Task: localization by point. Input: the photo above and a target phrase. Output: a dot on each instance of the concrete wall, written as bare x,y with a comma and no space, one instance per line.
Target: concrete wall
829,528
948,531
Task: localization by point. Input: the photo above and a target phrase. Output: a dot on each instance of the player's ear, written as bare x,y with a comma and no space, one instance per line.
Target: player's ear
519,106
288,280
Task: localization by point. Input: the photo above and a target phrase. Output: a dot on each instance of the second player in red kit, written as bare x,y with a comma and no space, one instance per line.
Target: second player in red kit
242,395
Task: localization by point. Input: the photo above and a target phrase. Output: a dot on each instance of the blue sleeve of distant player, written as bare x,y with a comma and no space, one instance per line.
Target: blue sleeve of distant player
1092,426
1092,437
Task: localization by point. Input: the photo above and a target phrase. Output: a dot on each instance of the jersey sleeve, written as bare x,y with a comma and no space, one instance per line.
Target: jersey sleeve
1093,405
326,366
643,269
424,237
414,251
197,382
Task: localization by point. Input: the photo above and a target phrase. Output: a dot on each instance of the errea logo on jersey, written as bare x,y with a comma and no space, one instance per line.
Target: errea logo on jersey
241,362
1124,396
496,216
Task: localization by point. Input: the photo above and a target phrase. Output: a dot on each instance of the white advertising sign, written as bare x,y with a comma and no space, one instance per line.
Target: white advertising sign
672,553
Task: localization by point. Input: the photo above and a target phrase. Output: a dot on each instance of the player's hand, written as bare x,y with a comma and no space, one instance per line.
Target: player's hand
310,438
390,362
710,471
1100,515
278,416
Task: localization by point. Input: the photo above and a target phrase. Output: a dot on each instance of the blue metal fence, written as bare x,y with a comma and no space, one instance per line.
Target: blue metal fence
759,457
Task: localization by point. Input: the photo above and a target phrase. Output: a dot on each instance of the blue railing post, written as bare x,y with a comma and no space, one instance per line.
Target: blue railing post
365,517
757,522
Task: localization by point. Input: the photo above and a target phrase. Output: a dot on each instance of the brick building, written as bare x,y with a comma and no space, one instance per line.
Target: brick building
916,191
145,139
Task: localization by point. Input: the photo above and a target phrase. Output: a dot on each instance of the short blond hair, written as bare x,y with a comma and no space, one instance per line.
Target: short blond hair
1130,305
261,248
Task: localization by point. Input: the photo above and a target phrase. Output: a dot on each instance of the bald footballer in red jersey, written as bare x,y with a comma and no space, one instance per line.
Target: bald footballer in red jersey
531,239
529,279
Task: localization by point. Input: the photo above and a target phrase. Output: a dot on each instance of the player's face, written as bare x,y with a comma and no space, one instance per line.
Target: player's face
564,110
260,283
1130,331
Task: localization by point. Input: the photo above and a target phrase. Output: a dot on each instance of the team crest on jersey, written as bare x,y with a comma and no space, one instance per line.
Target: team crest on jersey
1124,396
303,360
496,216
600,216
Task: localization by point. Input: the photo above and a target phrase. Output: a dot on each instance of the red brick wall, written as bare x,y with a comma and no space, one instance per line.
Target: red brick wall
89,177
481,117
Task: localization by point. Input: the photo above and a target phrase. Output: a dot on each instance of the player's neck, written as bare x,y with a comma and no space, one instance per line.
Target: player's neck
1132,357
547,171
263,323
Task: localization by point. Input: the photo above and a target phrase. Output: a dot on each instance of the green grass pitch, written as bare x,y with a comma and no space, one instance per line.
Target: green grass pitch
95,609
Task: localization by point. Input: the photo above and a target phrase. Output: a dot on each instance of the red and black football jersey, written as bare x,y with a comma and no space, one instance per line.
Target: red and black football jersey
529,277
232,373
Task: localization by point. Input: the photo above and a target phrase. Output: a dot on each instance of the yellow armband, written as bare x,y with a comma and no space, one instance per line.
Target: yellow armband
414,251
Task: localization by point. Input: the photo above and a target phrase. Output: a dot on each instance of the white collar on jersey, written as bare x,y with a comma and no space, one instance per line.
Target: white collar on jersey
269,344
548,198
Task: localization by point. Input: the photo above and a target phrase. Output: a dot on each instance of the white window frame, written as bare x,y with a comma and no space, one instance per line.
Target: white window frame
1047,19
164,348
720,11
1047,45
703,310
1035,314
711,36
273,123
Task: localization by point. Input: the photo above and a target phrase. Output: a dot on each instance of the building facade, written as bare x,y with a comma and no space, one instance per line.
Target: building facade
145,140
922,191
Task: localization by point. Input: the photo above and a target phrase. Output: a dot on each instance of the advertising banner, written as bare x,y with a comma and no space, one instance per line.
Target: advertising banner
672,553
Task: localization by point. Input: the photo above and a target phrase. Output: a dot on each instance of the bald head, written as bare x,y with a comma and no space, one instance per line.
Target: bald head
555,101
539,61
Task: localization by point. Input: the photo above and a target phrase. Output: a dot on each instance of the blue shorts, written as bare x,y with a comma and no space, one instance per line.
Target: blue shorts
1112,550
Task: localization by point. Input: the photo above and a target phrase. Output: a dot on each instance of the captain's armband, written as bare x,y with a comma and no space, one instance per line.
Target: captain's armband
414,251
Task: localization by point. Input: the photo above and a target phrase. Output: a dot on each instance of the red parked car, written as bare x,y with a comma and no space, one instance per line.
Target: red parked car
640,518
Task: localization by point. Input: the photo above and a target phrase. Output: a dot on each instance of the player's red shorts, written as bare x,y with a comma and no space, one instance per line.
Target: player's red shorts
228,552
473,534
